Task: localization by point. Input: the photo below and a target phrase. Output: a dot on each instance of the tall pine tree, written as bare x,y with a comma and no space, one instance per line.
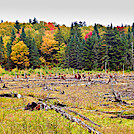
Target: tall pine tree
23,36
1,51
10,64
34,55
17,26
91,52
73,55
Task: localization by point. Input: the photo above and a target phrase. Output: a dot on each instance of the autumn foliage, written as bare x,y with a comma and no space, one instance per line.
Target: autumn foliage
20,54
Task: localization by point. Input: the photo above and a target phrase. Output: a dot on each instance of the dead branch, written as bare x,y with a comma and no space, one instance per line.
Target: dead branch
124,116
116,94
68,116
41,105
85,118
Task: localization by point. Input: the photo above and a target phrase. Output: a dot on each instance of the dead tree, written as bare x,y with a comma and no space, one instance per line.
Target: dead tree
79,77
75,76
73,119
116,94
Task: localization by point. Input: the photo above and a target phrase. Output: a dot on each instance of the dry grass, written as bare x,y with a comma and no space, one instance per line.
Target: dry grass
80,98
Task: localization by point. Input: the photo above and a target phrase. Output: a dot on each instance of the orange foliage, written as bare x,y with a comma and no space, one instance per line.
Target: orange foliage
49,44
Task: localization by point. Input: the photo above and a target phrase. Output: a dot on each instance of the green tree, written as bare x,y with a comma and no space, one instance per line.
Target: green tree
35,21
10,64
133,29
73,54
34,55
90,52
17,26
96,30
9,61
58,36
124,50
23,36
13,36
114,48
1,51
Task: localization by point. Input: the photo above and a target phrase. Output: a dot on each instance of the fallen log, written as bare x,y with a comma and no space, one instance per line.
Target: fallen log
124,116
116,94
41,105
68,116
85,118
11,95
46,88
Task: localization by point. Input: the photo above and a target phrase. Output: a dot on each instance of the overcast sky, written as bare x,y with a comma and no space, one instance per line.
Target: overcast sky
102,12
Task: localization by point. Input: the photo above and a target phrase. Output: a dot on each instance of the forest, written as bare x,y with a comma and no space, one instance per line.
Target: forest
35,44
56,79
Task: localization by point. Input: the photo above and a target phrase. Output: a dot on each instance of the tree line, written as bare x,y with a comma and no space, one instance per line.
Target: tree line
35,44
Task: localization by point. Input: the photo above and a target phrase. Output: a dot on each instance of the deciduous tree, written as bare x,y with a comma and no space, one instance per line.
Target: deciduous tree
20,54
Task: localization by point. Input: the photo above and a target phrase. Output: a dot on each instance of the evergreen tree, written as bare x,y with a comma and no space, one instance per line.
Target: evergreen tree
129,52
23,36
133,29
129,35
17,26
9,61
81,56
90,52
73,48
124,48
95,39
30,21
1,51
111,26
113,52
35,21
73,52
28,39
67,54
59,37
13,36
10,64
96,30
34,55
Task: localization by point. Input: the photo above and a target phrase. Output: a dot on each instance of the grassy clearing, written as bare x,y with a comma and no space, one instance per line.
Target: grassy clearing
81,99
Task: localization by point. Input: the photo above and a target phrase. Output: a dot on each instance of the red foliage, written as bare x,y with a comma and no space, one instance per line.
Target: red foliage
120,28
87,35
49,26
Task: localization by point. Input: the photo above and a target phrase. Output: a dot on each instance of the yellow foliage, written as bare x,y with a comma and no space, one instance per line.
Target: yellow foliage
49,44
6,39
1,69
6,28
20,54
43,61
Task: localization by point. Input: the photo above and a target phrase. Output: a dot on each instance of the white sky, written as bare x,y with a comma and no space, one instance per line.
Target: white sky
65,12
